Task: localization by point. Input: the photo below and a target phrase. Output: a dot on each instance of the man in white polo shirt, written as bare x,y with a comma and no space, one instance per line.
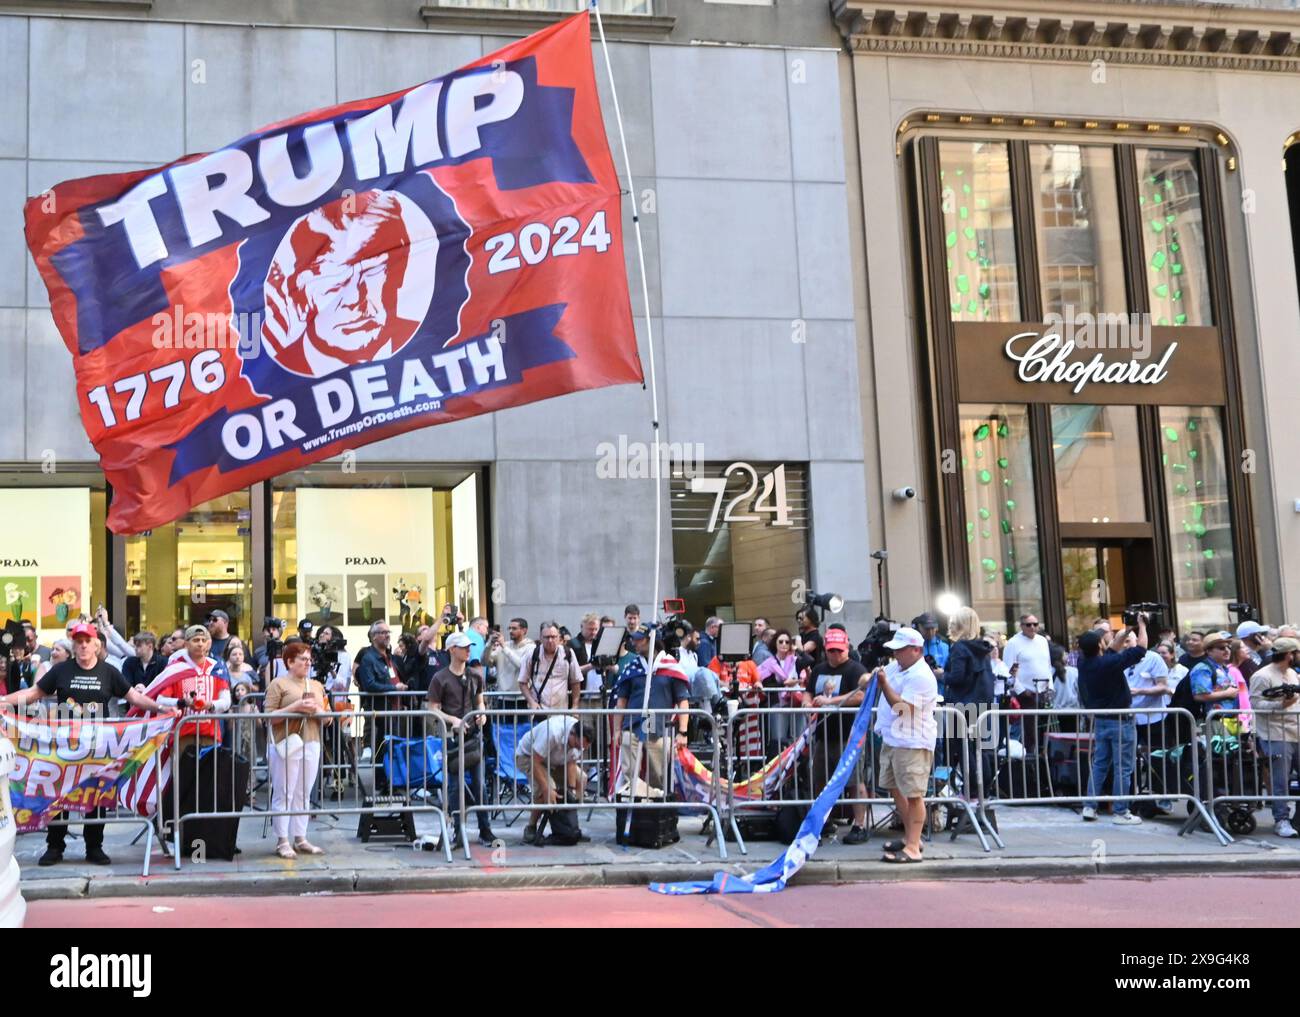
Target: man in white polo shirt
1029,656
551,755
906,724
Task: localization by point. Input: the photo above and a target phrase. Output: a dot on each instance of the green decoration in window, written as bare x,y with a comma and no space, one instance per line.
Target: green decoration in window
1208,553
956,307
1004,429
1006,528
1180,319
1157,226
964,462
1158,260
1210,584
981,432
1162,290
985,290
951,239
1198,512
1176,268
1174,248
1199,530
985,477
979,453
989,564
1163,321
1179,467
1009,574
972,306
1003,462
1180,488
969,232
963,212
1192,453
1011,505
1192,425
1169,219
985,534
984,513
971,255
963,284
1171,434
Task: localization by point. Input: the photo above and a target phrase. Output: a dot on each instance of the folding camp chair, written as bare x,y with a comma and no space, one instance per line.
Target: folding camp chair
509,783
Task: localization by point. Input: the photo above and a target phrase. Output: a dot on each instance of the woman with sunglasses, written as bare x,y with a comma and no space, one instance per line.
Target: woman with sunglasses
780,671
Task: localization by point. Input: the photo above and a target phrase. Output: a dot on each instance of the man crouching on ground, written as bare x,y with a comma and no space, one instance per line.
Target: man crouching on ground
905,722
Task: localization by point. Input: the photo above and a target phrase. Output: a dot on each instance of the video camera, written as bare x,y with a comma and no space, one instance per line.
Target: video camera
872,649
1243,611
1281,691
325,656
1152,611
12,637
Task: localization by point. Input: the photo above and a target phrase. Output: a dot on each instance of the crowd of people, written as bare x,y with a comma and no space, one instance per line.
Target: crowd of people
452,668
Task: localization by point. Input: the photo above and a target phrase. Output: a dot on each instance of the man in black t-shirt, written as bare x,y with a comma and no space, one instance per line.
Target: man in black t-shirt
90,684
837,682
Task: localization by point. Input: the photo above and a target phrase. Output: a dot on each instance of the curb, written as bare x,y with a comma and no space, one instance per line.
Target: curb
451,880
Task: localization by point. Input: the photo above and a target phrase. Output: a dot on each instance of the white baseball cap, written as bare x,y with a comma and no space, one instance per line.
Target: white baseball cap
458,640
905,637
1250,628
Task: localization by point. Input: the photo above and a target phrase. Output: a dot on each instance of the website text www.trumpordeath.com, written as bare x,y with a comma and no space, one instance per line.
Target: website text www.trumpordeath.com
369,421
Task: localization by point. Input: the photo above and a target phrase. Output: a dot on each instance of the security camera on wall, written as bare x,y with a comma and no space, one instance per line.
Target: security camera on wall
904,493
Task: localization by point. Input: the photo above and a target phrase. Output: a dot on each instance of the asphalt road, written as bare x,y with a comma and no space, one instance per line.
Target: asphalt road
1109,902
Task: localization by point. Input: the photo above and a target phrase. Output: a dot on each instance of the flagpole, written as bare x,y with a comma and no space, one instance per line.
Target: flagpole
656,468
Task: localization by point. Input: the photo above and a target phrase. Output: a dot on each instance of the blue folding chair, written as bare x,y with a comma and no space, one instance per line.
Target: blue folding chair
510,784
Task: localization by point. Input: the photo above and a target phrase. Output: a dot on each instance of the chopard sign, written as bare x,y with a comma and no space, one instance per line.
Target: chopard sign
1046,358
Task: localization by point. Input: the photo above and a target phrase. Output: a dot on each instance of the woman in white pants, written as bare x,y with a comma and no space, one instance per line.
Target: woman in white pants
295,753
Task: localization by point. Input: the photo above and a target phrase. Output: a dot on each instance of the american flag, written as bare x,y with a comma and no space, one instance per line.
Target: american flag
142,793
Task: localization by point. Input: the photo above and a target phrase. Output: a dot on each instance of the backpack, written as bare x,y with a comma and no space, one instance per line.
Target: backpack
565,831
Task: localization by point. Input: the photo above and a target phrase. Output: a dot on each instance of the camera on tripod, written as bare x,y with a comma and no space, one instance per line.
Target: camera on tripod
872,649
1150,610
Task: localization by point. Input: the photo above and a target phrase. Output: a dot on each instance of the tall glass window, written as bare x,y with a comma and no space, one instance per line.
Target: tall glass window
979,235
1196,487
177,573
1173,237
1076,218
419,550
1001,524
1098,458
53,548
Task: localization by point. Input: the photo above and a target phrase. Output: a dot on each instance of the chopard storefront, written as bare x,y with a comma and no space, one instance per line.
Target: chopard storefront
1087,306
1083,374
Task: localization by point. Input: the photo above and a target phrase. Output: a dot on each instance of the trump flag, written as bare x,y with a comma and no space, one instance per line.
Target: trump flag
341,277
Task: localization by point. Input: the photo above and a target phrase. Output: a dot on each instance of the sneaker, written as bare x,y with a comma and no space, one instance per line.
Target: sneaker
96,856
530,834
856,835
1089,814
487,838
1126,819
1282,829
52,856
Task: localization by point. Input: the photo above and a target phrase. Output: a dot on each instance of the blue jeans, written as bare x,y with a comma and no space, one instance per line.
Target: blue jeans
1114,741
1282,757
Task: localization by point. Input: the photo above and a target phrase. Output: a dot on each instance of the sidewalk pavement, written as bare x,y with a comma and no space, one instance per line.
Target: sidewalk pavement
1041,842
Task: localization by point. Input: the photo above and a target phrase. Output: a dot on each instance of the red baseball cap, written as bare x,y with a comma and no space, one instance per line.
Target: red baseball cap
84,629
837,639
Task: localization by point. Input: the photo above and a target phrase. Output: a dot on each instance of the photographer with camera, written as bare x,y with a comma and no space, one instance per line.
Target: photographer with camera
272,645
1103,685
454,692
1277,724
509,656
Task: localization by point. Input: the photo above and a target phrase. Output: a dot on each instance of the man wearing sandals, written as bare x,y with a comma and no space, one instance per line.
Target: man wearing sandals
905,722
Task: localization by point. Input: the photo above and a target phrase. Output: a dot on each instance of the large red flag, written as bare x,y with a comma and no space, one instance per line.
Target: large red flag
338,278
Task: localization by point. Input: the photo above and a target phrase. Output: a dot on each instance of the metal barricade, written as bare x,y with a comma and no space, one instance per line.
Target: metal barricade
399,736
1165,753
820,756
664,759
1250,756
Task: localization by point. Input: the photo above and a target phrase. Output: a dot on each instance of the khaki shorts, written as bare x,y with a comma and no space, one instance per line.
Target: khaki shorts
908,770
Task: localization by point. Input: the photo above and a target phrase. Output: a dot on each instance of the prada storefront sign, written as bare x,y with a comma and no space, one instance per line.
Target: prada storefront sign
1036,362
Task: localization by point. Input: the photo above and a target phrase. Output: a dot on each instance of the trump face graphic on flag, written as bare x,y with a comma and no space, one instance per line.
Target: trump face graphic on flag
349,283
